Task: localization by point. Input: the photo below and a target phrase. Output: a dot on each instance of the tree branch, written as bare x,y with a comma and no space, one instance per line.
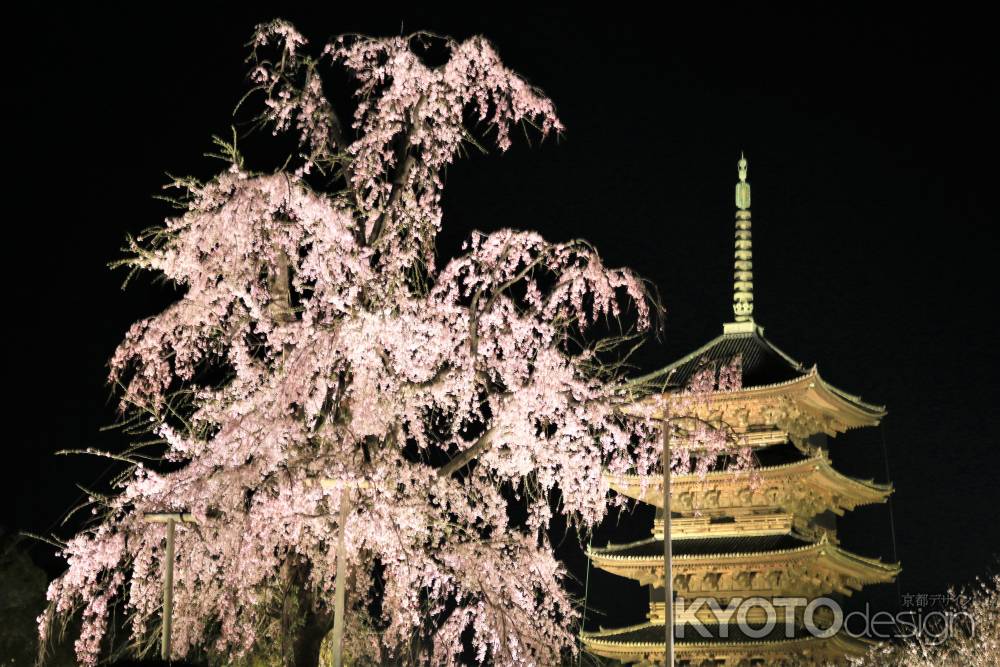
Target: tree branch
464,457
400,176
280,307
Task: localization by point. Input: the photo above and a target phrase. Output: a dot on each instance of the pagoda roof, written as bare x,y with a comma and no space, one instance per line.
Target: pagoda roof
777,456
642,559
736,545
850,492
646,642
720,632
763,364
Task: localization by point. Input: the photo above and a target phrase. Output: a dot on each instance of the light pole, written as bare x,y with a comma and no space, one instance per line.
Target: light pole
340,592
171,519
668,592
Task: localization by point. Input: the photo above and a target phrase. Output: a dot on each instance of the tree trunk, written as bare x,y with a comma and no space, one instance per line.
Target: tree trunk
308,639
305,622
280,306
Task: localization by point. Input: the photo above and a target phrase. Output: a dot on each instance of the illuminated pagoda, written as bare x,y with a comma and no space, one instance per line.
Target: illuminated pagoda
768,534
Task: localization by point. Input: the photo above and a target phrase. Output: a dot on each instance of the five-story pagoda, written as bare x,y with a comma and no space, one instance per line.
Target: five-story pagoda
770,535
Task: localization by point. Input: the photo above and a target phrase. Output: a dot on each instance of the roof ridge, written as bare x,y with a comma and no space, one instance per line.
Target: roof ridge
750,345
784,355
691,356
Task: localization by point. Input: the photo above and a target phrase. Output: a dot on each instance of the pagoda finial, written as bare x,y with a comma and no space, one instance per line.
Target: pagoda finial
743,188
743,265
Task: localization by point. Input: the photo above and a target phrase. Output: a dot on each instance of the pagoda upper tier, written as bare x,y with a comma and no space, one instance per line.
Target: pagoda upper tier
805,488
769,565
780,399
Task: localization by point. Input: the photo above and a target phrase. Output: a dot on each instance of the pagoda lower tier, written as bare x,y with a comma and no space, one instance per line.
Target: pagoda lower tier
728,570
643,645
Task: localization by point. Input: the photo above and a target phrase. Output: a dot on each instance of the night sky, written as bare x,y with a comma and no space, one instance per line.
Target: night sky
873,160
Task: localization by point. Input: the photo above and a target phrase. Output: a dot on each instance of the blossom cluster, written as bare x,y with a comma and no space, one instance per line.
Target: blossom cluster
965,634
317,340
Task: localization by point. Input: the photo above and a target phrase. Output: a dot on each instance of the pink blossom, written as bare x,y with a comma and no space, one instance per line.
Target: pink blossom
317,339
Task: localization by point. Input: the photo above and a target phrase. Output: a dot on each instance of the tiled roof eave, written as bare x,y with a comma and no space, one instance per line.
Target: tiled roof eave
833,551
855,402
804,464
603,553
812,375
602,637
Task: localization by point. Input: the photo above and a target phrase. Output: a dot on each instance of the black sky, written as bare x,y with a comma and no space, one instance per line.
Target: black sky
873,160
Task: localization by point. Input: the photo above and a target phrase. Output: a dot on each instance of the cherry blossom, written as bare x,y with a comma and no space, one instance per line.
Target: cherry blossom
964,632
319,338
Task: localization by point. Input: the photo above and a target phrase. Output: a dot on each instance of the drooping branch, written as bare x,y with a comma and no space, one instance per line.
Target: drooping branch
467,455
401,175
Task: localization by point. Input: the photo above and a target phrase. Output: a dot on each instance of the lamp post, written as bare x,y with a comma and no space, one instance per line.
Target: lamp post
668,593
340,587
171,519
